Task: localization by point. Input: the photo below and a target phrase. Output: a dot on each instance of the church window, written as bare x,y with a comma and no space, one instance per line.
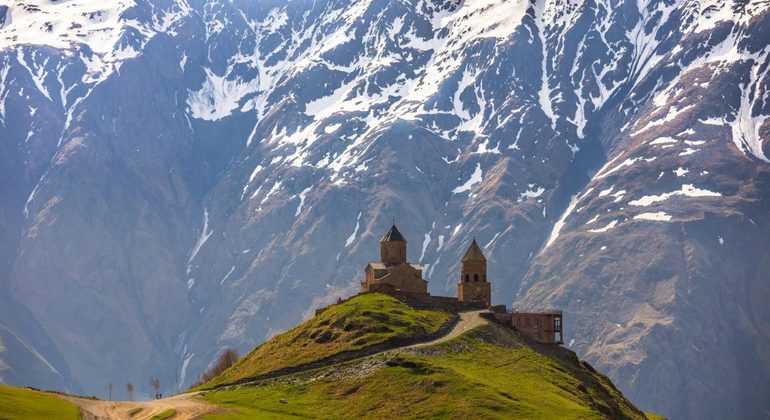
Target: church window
467,278
475,277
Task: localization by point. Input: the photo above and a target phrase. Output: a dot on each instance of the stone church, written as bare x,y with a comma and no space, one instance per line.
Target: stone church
396,276
393,270
394,273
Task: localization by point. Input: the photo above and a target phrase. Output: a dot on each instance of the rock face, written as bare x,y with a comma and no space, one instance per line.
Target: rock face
204,174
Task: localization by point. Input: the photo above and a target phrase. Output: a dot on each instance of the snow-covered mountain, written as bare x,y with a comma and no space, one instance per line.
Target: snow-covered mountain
180,176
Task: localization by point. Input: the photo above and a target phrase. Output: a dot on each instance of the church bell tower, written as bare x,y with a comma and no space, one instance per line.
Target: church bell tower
473,286
393,247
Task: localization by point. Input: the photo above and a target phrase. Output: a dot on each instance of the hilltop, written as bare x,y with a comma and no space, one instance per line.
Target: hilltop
362,322
490,371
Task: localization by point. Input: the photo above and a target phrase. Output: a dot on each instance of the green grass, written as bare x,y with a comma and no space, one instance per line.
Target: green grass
468,377
20,403
165,415
135,411
653,416
363,321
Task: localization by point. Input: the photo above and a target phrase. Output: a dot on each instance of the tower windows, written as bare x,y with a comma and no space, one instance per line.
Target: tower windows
476,277
467,278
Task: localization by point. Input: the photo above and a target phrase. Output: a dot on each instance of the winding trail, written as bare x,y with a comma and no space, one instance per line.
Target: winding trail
468,321
191,405
187,406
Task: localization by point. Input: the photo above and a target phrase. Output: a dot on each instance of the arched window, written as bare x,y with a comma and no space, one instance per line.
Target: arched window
467,278
475,277
485,277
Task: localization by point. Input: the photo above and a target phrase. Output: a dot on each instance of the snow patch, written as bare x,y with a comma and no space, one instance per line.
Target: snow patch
664,140
251,179
425,242
352,236
658,216
607,227
221,282
218,97
492,241
531,193
559,225
688,190
183,370
276,186
204,236
302,196
475,178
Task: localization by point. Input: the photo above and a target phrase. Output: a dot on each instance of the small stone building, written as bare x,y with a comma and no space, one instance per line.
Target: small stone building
393,272
545,326
473,286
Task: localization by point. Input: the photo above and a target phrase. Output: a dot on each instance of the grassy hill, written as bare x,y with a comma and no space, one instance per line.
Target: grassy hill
22,403
489,372
360,322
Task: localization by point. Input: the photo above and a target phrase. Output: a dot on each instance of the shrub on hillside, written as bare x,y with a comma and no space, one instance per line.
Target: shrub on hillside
226,359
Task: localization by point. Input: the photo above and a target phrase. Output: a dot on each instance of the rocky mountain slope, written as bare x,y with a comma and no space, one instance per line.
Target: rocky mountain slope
179,176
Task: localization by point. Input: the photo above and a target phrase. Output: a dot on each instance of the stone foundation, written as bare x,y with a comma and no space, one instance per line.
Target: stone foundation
417,300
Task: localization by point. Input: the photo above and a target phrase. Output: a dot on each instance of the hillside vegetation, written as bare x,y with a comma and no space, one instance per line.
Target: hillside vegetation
490,372
22,403
361,322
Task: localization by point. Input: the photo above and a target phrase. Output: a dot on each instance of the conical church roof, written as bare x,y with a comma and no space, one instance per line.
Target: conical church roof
474,253
393,235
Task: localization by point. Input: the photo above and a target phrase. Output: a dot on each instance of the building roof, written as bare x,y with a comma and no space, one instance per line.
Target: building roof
474,253
393,235
381,266
541,312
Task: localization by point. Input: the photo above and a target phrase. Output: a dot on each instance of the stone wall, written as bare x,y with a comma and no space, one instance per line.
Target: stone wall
538,326
427,301
416,300
544,327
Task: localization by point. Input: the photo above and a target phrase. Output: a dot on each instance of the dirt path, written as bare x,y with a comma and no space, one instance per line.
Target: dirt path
187,406
467,322
192,406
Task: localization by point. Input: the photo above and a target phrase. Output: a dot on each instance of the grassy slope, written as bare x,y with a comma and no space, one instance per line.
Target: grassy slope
165,415
360,322
476,375
20,403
